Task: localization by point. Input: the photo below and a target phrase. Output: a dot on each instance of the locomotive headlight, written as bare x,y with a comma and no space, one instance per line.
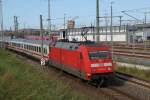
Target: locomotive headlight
107,64
94,65
101,64
97,65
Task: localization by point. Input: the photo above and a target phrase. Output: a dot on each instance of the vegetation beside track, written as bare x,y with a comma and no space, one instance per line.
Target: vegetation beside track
142,74
23,81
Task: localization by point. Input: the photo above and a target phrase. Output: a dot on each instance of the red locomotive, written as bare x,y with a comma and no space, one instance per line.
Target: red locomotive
87,60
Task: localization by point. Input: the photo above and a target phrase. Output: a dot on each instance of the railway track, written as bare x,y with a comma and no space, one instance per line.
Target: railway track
116,94
133,50
124,95
136,57
134,45
132,55
110,92
138,51
135,87
132,79
141,48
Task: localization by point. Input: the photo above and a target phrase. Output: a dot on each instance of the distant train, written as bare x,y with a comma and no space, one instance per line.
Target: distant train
86,60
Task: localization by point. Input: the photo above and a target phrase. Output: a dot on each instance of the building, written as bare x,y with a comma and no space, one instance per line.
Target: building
125,33
139,33
89,33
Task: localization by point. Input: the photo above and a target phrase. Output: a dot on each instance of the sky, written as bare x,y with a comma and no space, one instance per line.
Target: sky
28,11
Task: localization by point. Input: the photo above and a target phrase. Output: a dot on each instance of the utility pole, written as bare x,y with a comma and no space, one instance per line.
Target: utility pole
111,32
41,32
106,22
111,17
97,21
49,17
43,60
135,27
145,17
16,24
64,21
64,32
1,25
144,32
127,34
120,23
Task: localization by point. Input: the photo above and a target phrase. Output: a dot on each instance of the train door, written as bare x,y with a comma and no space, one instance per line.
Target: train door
81,64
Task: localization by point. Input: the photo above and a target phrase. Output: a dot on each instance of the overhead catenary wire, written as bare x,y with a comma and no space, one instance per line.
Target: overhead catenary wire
137,10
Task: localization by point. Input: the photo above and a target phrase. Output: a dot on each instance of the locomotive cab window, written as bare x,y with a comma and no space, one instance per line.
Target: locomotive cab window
99,54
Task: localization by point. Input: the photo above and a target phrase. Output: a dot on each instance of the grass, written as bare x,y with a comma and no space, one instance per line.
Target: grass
142,74
20,80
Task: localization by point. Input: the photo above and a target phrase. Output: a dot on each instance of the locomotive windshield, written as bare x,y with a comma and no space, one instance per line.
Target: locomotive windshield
99,54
